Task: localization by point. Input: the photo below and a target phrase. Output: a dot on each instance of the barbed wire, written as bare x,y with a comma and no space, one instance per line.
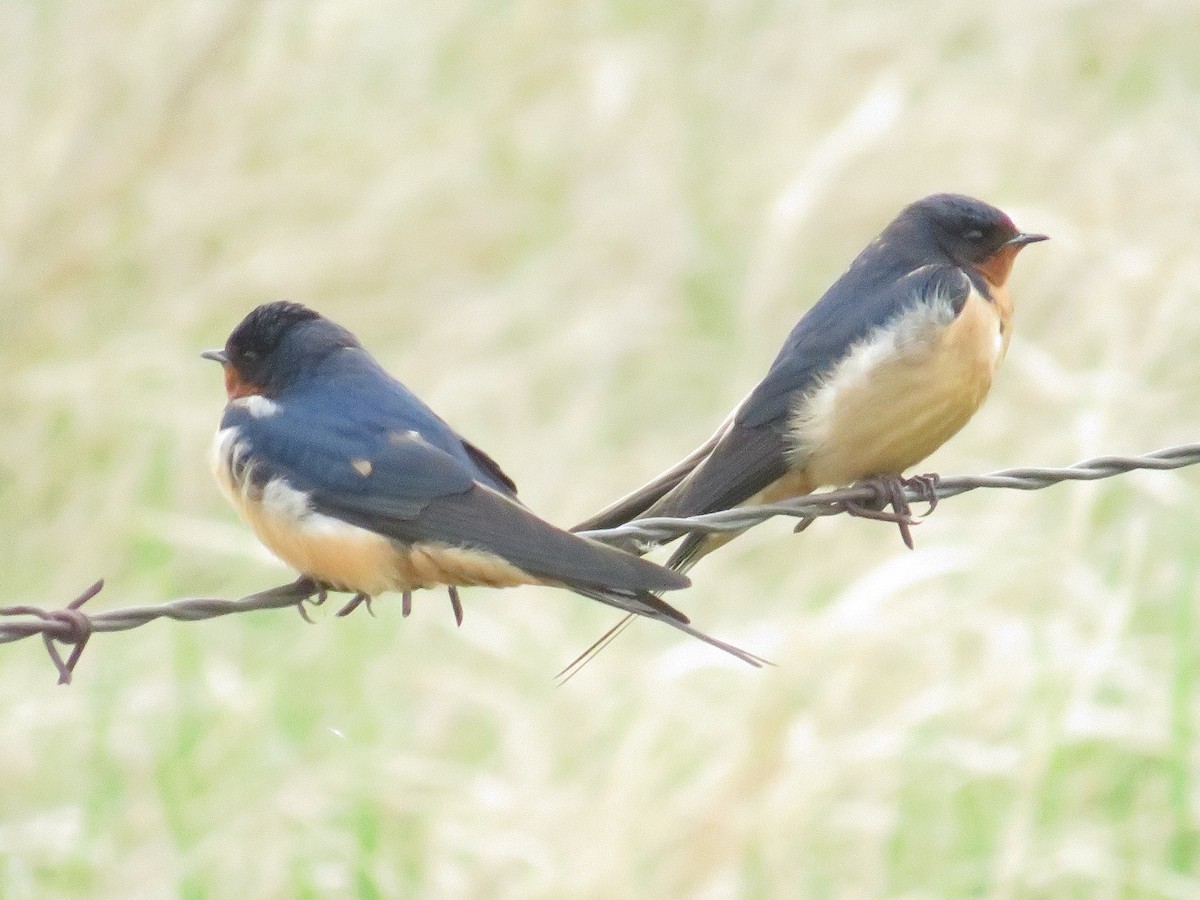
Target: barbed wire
831,503
72,627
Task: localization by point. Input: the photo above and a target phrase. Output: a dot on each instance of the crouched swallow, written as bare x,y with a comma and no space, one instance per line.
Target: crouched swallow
345,475
892,360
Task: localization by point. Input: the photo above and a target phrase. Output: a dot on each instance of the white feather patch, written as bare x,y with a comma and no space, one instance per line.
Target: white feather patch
257,405
910,335
901,392
281,500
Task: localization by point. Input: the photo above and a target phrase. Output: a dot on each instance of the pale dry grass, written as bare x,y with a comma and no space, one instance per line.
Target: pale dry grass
581,233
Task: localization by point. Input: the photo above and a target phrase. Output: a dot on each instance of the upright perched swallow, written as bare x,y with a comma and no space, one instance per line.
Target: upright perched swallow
890,363
345,475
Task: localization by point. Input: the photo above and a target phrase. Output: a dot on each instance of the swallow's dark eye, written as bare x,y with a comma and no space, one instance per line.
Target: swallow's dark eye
974,235
249,356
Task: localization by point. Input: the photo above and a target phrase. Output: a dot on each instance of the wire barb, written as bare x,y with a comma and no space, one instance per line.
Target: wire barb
70,626
73,627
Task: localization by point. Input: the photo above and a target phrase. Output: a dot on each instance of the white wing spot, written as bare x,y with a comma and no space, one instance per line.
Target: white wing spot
400,437
361,466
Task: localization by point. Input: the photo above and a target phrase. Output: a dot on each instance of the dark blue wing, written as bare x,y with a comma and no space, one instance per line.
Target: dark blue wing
752,452
325,454
867,297
351,387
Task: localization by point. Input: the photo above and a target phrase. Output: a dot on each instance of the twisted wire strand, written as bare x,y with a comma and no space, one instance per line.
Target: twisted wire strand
72,627
831,503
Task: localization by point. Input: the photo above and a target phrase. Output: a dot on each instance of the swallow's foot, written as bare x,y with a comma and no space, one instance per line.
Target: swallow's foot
406,604
925,487
889,491
317,594
355,602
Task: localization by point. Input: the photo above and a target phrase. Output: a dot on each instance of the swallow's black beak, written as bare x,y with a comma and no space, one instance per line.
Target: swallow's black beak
216,356
1022,239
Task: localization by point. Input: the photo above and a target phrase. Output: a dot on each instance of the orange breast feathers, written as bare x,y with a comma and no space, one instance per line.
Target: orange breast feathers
901,392
342,555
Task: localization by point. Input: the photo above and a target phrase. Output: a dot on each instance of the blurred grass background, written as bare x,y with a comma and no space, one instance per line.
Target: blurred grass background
581,232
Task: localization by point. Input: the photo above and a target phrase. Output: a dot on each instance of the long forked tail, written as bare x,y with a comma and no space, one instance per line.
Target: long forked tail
682,566
576,665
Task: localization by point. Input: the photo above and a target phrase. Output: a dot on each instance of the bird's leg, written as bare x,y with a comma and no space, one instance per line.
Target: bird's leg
319,594
889,491
925,487
355,602
406,604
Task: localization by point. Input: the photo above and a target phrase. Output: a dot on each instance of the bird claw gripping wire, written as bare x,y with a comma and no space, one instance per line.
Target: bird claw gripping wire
355,602
892,490
320,593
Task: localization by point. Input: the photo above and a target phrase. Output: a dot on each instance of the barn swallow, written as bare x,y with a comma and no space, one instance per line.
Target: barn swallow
892,360
345,475
887,365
